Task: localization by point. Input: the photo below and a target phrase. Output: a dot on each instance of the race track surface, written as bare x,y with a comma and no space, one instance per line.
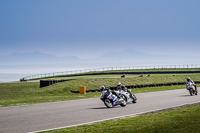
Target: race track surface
38,117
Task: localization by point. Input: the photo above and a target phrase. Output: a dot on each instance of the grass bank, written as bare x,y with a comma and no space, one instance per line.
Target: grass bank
181,120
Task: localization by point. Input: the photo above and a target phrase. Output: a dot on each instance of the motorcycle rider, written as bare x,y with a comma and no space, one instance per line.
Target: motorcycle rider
122,87
108,90
189,80
102,88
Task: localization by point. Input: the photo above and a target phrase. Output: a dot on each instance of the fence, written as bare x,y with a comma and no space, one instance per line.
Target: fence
108,69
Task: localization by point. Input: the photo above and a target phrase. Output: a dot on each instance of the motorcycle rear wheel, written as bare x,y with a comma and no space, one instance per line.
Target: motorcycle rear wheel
123,103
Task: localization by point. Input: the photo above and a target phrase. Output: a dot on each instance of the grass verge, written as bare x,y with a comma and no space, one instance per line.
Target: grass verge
94,83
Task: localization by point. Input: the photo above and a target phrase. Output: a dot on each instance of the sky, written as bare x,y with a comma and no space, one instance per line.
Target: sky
91,28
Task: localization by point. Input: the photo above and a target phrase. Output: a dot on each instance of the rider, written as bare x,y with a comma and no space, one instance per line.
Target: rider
108,90
103,88
122,87
189,80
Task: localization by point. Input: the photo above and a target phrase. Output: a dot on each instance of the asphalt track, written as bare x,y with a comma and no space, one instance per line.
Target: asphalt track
47,116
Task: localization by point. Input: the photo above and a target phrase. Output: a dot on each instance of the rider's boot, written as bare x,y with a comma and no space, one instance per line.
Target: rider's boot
121,99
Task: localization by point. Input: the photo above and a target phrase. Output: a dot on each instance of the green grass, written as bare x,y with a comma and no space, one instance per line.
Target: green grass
14,94
94,83
89,76
182,120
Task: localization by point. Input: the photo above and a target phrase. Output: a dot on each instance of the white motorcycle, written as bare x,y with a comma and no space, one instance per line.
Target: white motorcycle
191,88
128,96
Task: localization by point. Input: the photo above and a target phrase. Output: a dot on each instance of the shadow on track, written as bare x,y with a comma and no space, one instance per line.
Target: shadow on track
115,107
185,95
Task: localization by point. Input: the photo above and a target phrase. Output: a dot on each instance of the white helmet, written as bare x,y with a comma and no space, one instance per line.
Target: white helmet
188,79
119,84
102,88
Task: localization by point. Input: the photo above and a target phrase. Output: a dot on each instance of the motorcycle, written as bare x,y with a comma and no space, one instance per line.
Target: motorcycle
110,100
128,96
191,88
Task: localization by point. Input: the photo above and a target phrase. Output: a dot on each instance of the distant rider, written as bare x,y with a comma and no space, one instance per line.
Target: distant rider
189,80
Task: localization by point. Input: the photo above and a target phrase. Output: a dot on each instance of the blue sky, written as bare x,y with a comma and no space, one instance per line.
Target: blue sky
90,28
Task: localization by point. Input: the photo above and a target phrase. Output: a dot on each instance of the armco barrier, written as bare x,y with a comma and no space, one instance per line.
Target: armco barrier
104,69
120,73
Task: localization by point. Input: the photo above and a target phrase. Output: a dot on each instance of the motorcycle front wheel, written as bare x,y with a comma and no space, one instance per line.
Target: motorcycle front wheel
108,103
124,97
134,99
196,92
191,92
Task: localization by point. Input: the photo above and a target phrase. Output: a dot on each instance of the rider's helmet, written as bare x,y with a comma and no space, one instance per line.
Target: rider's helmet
119,84
102,88
188,79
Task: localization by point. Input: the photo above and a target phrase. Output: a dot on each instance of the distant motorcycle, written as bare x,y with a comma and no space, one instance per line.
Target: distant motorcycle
111,99
128,96
191,88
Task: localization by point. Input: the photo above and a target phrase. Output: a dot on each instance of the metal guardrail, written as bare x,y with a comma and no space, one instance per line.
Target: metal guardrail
108,69
121,73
